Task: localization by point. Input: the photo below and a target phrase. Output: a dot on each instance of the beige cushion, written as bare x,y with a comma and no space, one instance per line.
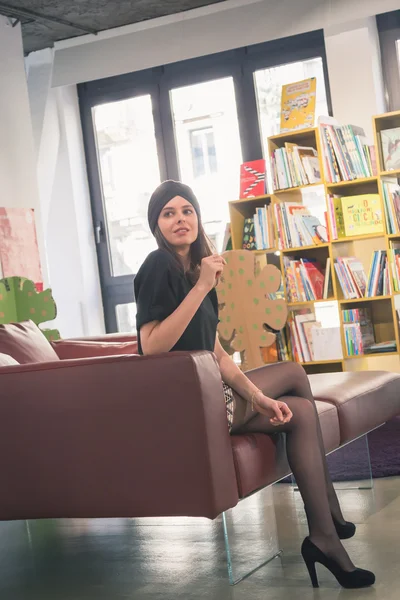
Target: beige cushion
25,343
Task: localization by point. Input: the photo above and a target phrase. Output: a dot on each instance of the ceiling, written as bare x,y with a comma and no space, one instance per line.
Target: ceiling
47,21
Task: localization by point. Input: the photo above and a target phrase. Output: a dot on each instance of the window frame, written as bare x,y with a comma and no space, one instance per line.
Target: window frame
240,64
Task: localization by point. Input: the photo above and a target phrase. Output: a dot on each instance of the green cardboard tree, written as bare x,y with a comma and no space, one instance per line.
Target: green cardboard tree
247,315
20,301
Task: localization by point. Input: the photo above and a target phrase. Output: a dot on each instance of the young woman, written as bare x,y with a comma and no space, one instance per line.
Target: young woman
177,309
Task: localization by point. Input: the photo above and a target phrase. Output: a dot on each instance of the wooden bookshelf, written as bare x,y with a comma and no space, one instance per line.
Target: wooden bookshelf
383,308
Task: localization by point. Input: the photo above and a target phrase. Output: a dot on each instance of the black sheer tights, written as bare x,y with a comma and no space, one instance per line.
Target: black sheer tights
305,452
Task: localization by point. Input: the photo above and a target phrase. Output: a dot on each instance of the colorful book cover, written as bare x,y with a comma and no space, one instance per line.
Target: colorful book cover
252,179
298,105
362,214
316,277
19,253
249,236
390,139
338,213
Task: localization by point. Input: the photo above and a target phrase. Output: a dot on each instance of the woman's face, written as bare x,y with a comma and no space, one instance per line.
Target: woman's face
179,224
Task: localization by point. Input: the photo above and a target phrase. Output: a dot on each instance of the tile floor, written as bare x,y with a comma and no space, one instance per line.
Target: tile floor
120,559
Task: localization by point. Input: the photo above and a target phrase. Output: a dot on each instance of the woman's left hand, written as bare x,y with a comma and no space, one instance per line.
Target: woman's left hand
278,412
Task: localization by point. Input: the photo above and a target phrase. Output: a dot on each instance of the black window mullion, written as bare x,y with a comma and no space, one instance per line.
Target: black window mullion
246,101
170,150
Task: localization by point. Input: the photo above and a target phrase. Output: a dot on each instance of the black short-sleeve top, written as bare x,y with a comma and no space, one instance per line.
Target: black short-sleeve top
160,287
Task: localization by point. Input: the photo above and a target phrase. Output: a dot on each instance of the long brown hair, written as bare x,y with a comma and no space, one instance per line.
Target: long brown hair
201,248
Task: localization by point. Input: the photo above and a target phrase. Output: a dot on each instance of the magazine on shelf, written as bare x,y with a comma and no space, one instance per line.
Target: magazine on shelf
336,217
253,179
347,152
351,276
298,105
390,140
296,227
295,166
327,343
362,214
305,279
358,330
391,200
258,233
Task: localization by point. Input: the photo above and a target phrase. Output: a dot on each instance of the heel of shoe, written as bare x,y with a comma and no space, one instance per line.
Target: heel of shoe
312,571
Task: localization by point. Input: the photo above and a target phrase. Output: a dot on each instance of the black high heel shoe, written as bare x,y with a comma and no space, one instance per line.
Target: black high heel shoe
348,579
345,531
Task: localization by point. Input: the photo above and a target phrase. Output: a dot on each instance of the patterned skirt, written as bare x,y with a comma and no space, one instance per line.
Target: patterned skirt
229,403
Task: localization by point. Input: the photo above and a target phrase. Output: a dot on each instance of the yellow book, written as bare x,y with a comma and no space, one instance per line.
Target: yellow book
298,105
362,215
338,213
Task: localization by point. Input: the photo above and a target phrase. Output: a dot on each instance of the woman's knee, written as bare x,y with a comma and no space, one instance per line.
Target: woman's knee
303,410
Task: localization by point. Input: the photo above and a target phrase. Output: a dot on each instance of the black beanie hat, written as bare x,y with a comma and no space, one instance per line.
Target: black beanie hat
163,194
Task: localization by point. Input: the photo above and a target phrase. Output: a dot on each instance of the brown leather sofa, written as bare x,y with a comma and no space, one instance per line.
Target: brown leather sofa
130,436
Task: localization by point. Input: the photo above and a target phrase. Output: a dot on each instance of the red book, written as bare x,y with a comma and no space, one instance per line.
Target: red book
252,179
316,278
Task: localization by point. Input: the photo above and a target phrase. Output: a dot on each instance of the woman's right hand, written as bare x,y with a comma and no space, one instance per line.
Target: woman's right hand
211,268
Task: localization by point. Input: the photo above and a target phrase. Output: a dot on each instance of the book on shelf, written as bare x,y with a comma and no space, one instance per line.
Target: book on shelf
310,341
258,233
335,212
358,330
347,153
298,104
299,334
379,278
381,347
390,140
282,345
306,280
354,282
362,214
394,261
227,241
327,343
253,180
294,166
296,227
352,278
391,201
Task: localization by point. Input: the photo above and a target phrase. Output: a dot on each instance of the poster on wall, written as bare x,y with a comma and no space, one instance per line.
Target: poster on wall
19,252
298,105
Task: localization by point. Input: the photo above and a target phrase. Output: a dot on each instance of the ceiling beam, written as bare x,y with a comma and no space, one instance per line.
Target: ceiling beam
19,13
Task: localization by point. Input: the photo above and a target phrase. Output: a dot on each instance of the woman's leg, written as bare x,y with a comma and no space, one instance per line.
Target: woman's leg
290,379
307,464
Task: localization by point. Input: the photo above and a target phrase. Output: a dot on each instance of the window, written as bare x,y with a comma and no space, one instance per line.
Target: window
389,37
194,121
208,148
204,156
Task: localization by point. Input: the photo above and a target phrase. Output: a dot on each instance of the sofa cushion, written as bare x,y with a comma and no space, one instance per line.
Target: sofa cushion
260,459
6,360
364,399
25,343
85,349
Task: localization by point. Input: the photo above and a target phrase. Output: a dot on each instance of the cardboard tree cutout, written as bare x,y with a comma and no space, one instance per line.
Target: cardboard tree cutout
245,309
20,301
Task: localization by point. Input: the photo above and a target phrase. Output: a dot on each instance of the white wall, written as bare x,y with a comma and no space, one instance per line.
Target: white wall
18,178
42,166
355,75
207,30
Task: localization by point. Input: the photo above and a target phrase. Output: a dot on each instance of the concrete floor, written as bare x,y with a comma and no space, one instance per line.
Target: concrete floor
119,559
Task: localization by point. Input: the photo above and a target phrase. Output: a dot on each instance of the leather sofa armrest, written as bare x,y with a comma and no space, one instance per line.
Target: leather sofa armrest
123,436
107,337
